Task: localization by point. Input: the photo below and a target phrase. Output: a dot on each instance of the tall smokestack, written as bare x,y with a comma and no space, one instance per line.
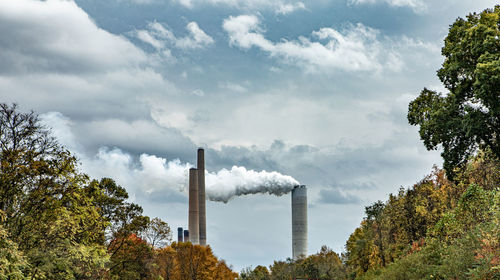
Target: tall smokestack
299,221
201,197
186,235
180,234
193,206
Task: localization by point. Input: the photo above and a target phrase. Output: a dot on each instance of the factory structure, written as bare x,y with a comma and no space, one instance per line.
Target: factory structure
299,221
197,218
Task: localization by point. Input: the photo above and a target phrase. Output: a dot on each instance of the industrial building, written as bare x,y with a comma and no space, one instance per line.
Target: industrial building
197,233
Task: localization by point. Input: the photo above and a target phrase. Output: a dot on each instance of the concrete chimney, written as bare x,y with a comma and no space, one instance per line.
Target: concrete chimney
186,235
201,197
299,221
180,233
193,223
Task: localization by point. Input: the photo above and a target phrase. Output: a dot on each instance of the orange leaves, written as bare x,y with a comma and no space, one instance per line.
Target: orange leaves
185,261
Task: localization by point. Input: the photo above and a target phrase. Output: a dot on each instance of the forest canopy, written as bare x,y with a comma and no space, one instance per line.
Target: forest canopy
466,117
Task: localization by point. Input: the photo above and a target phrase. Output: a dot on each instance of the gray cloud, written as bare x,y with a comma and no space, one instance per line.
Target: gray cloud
335,196
52,45
162,196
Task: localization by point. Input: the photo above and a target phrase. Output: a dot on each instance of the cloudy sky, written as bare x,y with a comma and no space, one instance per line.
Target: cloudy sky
317,90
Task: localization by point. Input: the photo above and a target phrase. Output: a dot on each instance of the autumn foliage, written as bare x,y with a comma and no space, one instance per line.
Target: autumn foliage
134,258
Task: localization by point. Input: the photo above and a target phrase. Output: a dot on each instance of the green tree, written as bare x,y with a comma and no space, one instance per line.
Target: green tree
47,212
12,262
468,116
325,265
122,217
259,273
281,270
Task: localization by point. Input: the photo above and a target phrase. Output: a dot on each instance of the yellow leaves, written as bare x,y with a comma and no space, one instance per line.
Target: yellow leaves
185,261
421,210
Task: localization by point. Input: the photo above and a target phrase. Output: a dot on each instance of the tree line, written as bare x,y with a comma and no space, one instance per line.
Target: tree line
436,229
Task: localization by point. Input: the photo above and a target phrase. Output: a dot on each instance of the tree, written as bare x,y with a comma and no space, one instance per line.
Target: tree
157,233
26,152
325,265
259,273
166,263
123,218
224,272
280,270
48,214
195,262
468,116
130,258
12,261
374,217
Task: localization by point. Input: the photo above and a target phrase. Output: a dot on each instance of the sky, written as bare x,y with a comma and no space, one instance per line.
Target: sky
314,90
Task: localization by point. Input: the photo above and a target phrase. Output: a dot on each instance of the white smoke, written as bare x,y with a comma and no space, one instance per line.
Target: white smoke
154,175
226,184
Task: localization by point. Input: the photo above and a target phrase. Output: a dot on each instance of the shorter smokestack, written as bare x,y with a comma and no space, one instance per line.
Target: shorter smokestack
299,222
193,218
180,233
186,235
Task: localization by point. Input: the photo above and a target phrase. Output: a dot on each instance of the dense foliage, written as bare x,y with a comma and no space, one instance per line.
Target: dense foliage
326,264
436,229
56,223
468,116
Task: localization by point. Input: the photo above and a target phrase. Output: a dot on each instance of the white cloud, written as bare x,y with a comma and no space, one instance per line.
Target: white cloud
287,8
186,3
160,36
146,37
417,5
144,1
198,92
198,38
353,48
279,7
234,87
51,44
356,48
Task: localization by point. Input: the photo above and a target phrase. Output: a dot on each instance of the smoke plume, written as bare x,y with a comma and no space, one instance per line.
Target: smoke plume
226,184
